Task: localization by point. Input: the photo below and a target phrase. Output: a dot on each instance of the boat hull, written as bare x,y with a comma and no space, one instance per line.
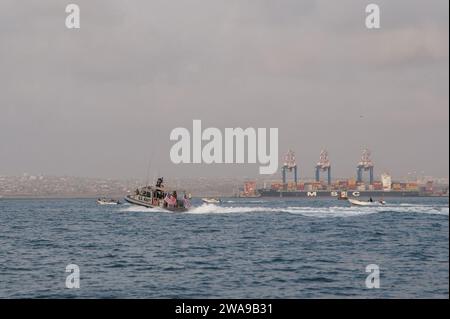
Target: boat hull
136,201
210,201
107,202
362,203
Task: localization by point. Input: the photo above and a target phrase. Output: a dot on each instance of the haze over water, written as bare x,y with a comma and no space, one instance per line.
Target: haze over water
101,101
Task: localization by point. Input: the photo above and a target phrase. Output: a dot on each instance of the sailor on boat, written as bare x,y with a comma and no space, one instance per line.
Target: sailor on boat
159,191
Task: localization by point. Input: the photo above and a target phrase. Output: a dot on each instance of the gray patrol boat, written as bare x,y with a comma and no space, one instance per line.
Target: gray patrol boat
159,197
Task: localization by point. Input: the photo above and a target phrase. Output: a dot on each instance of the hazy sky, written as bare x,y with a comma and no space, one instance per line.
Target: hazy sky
102,100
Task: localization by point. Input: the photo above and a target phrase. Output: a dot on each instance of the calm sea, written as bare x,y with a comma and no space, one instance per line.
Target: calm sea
305,248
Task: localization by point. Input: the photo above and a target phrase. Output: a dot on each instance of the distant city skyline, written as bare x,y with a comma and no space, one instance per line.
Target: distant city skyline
413,177
30,186
101,101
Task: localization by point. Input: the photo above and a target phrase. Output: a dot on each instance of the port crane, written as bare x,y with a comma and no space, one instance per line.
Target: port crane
289,165
323,165
365,165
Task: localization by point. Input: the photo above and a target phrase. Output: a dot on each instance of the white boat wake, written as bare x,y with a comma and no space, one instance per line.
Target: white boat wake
320,212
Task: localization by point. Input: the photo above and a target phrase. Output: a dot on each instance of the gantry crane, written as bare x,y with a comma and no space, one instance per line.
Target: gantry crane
365,165
289,164
323,165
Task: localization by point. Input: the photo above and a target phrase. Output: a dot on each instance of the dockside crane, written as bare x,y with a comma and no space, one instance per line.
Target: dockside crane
365,165
323,165
289,165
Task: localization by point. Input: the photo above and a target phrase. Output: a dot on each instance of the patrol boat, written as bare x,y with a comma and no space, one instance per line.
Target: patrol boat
158,197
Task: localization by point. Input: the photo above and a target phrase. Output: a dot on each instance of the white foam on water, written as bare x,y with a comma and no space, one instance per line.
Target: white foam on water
417,205
215,209
333,211
141,209
248,202
419,209
339,211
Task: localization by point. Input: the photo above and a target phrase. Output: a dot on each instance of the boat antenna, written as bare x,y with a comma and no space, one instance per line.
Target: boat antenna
148,168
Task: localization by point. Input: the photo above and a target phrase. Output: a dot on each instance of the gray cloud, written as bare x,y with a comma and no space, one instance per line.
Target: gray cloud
100,100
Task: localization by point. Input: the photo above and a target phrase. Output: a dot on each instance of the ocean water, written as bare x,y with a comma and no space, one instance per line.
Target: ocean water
243,248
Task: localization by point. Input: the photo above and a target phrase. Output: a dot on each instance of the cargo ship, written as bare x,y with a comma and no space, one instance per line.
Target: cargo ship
338,194
342,190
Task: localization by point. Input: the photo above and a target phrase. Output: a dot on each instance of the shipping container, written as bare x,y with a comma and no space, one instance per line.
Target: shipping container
361,187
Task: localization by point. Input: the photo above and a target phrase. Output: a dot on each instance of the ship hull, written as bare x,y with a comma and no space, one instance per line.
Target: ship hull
337,194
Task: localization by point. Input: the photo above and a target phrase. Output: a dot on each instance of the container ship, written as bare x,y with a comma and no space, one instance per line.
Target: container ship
340,189
313,190
338,194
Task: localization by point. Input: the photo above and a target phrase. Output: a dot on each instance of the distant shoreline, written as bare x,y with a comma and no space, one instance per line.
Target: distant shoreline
121,197
56,197
81,196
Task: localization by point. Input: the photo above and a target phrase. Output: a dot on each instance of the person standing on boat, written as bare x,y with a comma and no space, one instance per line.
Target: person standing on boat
186,202
174,196
170,200
160,188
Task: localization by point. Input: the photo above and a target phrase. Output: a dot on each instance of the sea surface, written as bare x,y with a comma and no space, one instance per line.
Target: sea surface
243,248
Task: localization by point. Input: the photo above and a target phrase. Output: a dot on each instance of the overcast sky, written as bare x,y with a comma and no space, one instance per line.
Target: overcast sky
101,101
